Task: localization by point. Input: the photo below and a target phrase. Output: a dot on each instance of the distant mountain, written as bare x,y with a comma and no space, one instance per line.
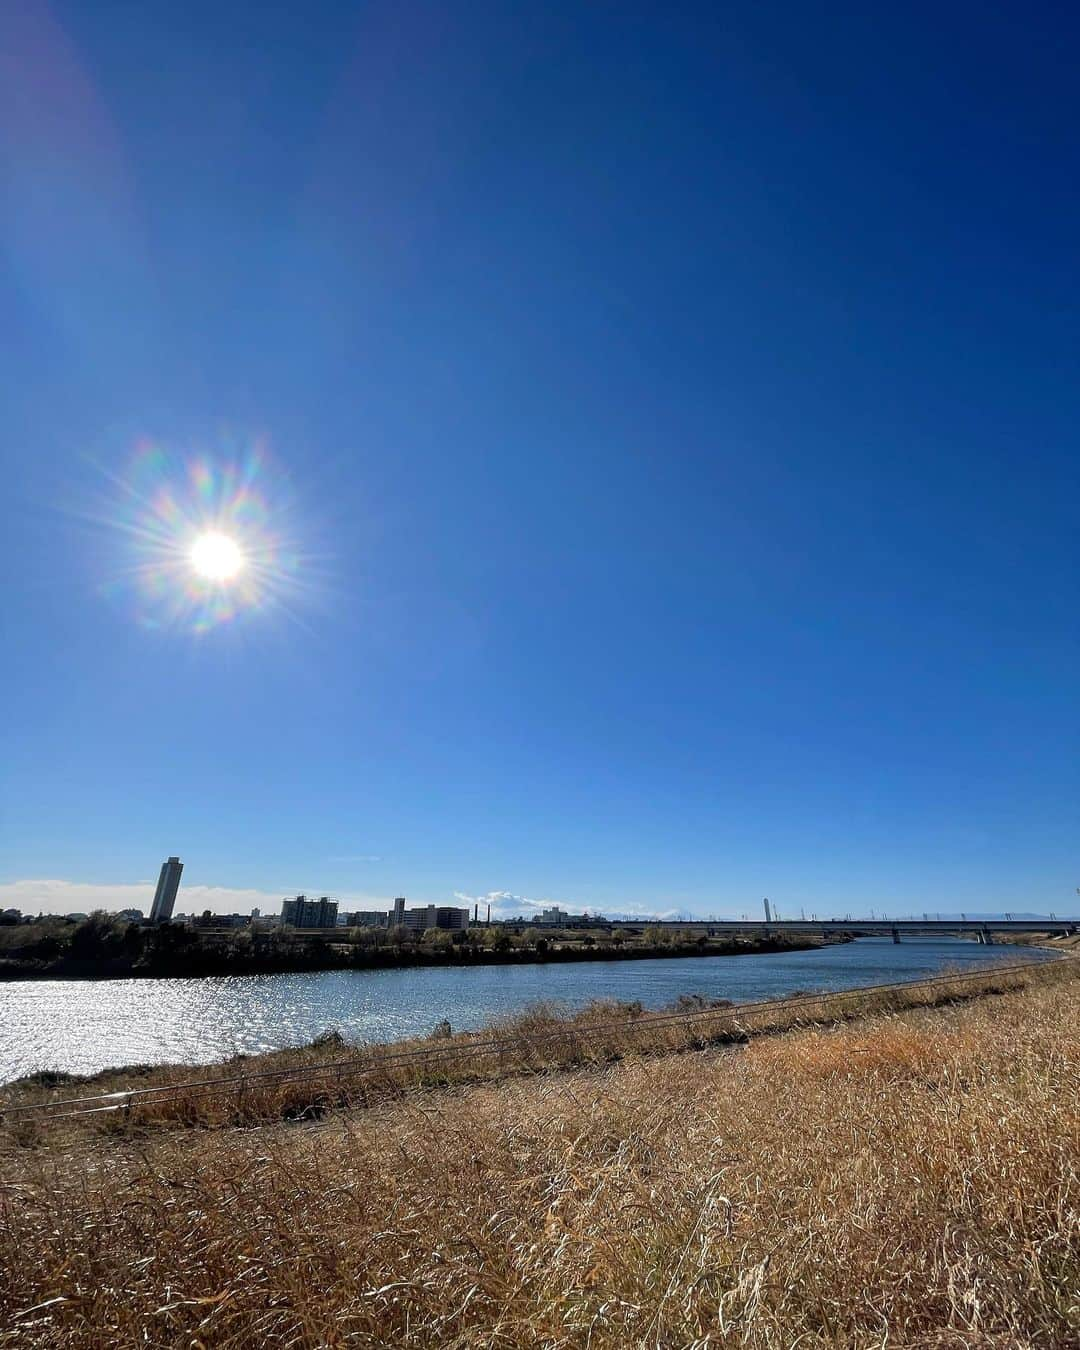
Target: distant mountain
980,915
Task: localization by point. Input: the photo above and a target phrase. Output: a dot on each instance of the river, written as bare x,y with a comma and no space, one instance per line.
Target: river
82,1026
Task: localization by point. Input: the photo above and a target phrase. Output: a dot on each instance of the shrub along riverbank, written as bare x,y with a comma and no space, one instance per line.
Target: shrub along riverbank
104,947
906,1178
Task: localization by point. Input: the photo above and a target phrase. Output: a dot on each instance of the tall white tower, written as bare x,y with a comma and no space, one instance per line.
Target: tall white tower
165,895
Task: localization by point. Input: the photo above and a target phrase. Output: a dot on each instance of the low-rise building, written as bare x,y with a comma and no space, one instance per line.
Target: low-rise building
422,917
365,918
554,915
208,919
305,913
436,916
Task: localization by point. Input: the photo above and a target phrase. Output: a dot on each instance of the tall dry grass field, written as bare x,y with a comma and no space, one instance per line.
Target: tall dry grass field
908,1180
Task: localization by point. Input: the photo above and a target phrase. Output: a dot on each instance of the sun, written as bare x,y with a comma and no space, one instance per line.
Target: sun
216,556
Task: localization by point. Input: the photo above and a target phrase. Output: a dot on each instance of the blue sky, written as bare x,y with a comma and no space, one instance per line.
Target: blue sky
668,417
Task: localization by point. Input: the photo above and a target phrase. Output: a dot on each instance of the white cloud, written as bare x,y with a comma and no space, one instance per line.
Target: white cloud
633,911
503,904
507,905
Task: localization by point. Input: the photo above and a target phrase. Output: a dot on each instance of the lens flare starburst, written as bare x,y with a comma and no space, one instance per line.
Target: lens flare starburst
208,540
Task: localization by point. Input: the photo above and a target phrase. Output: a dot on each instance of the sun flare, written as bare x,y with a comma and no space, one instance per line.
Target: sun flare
216,556
210,537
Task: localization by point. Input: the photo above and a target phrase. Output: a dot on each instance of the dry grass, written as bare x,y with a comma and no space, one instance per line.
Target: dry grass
1058,942
906,1180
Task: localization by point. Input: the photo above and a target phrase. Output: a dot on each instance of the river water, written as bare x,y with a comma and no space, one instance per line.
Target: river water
81,1026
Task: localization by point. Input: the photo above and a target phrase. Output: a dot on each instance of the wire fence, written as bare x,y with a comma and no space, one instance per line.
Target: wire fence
374,1062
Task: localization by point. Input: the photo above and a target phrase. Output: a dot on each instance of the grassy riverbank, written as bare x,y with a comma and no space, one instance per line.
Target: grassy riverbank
1055,942
105,947
904,1178
309,1081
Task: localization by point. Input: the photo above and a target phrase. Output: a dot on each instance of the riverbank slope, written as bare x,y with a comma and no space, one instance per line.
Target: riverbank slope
908,1178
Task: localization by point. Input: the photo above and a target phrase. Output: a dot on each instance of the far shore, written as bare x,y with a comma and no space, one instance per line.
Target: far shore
201,957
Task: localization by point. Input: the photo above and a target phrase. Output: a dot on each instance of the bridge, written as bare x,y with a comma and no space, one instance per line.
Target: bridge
982,930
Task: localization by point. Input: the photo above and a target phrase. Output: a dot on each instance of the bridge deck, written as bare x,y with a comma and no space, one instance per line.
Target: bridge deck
884,927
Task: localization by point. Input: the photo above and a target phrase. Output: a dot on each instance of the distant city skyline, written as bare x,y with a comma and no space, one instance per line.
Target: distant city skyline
58,897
